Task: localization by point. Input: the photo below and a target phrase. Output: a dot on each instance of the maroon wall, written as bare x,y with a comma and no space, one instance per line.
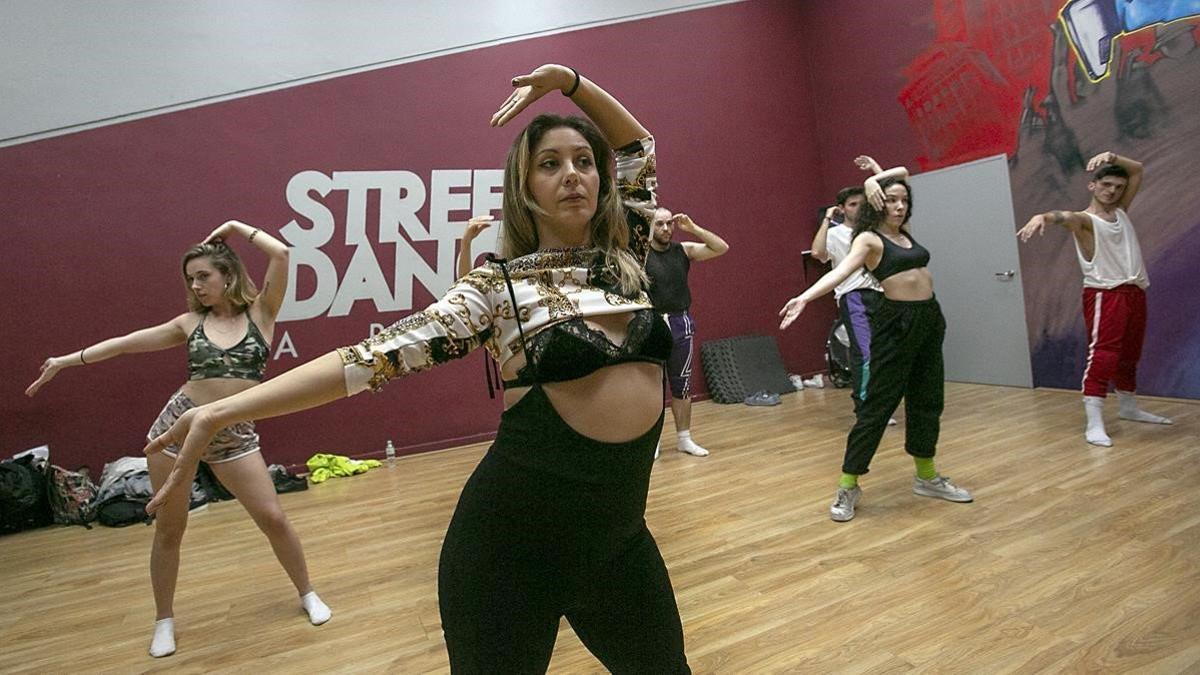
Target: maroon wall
935,83
97,220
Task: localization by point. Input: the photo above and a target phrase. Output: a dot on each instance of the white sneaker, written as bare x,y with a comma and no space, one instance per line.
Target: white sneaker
940,487
842,508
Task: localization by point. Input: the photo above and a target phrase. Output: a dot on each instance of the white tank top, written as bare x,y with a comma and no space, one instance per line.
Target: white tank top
837,242
1118,257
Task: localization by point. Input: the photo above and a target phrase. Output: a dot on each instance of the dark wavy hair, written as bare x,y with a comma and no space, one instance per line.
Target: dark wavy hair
870,218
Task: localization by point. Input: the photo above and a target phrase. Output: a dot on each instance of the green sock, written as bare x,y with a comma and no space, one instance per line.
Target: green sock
848,481
925,470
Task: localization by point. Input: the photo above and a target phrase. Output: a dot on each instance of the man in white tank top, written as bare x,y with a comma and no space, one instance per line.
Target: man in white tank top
1114,288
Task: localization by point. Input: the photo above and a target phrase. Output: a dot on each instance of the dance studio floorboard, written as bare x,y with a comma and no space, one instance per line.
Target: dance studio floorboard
1072,558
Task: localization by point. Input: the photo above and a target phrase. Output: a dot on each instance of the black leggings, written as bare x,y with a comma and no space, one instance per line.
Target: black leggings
906,361
551,524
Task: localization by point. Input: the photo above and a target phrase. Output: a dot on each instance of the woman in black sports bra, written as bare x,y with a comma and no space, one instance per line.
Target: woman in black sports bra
227,331
551,522
907,330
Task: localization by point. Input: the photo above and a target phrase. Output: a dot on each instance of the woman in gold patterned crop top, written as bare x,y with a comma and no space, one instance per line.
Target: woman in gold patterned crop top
551,522
228,332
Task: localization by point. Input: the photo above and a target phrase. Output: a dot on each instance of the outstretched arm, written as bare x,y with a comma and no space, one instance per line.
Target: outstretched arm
857,257
713,245
313,384
162,336
616,123
1074,221
1133,167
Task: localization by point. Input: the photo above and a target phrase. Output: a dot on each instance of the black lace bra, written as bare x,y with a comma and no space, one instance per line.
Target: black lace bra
573,349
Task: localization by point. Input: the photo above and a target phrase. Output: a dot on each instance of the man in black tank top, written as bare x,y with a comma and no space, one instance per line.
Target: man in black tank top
667,266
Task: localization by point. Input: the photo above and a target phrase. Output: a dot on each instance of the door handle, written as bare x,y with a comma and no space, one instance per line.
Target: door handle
1006,276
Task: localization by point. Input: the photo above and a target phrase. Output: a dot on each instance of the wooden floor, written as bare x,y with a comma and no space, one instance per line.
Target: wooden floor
1072,558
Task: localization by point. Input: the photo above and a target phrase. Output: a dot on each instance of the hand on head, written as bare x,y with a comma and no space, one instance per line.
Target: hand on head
222,232
1100,160
683,222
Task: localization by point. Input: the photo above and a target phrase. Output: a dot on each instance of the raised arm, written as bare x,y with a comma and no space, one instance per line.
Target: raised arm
855,260
820,249
867,163
155,338
712,245
466,259
1076,222
270,296
1133,167
616,123
871,185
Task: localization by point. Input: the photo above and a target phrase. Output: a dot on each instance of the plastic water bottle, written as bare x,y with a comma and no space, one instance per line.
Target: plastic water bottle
389,451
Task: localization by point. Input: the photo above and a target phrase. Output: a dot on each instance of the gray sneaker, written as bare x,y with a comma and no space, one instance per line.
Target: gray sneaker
842,508
940,487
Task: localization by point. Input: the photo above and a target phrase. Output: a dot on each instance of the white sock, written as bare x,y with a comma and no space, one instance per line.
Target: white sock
163,643
1093,407
686,444
892,422
318,612
1130,410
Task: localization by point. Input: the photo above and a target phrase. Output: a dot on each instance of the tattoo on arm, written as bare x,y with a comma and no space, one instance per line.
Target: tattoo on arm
1056,217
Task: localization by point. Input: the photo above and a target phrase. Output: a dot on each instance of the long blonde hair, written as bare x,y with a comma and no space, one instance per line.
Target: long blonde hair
241,291
609,230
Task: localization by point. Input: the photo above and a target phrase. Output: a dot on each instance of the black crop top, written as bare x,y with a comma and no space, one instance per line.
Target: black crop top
573,349
897,259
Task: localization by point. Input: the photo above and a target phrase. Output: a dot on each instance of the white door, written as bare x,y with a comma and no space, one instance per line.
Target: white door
964,215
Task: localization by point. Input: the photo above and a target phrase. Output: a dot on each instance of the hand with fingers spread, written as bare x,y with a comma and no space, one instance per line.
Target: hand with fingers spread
531,87
191,433
791,311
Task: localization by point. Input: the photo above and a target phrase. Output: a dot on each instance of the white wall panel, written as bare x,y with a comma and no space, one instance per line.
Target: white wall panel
66,65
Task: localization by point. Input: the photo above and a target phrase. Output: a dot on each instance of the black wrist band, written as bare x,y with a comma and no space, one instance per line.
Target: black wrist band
81,359
571,92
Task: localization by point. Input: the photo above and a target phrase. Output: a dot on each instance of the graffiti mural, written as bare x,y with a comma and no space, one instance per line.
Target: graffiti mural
1051,83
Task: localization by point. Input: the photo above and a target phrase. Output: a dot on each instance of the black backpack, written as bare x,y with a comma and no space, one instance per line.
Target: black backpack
23,503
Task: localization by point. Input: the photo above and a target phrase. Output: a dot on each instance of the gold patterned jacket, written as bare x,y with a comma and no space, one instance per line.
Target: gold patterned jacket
551,286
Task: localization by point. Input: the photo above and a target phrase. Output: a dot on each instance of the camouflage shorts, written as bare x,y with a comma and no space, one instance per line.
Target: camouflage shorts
230,443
